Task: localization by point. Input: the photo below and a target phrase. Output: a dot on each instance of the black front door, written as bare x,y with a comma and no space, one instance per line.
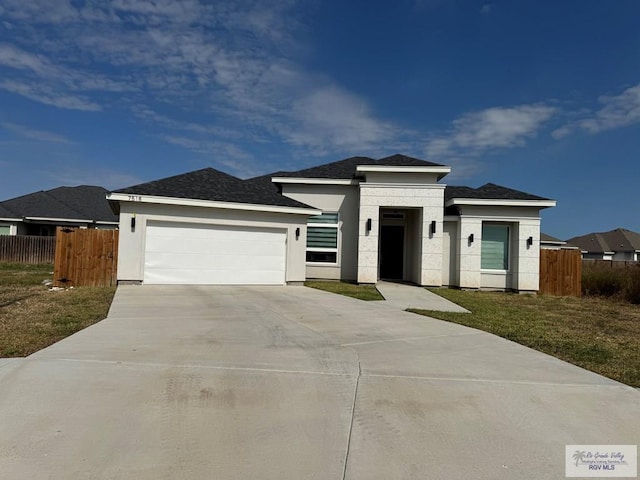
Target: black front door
392,252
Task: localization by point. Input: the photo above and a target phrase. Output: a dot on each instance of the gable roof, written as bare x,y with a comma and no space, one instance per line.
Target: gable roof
4,213
214,185
618,240
85,202
346,169
489,191
548,238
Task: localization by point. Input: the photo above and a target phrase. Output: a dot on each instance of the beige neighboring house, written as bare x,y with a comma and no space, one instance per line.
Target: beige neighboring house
619,244
358,219
547,242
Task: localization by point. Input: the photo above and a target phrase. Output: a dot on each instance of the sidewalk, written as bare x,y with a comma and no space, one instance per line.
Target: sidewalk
406,296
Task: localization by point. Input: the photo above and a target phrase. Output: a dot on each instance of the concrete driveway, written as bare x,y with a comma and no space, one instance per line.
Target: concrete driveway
293,383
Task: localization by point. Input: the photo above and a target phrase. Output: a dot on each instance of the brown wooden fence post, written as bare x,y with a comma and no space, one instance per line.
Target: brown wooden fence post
86,257
561,272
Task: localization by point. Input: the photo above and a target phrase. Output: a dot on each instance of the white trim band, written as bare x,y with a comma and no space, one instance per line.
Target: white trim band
497,202
315,181
190,202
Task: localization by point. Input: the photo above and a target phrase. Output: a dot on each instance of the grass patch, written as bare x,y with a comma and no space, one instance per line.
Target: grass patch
32,317
599,334
603,280
361,292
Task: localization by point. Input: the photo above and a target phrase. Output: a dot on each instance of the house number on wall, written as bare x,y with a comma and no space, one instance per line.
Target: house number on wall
134,198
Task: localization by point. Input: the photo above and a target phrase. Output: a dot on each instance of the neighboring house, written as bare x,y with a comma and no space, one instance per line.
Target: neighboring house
547,242
39,213
357,219
618,244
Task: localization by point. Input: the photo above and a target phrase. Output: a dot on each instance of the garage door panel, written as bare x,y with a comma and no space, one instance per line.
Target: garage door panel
195,254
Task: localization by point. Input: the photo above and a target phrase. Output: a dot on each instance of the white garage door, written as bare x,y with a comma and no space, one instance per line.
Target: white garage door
194,254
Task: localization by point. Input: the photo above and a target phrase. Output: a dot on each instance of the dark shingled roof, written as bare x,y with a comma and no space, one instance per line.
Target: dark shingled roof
84,202
548,238
4,213
214,185
211,184
346,169
618,240
489,191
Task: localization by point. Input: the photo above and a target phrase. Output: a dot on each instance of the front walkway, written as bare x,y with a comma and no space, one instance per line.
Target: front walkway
404,296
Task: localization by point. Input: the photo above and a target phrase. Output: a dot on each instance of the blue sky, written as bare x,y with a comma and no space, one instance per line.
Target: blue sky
542,96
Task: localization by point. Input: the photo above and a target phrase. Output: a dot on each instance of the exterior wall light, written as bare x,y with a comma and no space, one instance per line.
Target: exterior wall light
368,224
529,241
470,239
133,221
433,227
297,233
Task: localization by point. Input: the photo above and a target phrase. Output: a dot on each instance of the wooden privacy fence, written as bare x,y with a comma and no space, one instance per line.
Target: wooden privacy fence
561,272
586,262
85,257
27,249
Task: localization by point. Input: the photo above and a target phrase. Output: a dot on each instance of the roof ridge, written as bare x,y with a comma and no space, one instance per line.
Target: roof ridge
59,200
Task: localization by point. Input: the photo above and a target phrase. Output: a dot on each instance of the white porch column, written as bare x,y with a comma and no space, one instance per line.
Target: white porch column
431,268
469,253
527,276
368,241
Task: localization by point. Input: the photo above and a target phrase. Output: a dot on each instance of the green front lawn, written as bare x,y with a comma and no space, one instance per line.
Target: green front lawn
598,334
32,317
361,292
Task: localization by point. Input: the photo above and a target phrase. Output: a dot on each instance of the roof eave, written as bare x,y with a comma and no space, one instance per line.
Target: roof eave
498,202
315,181
441,170
191,202
52,219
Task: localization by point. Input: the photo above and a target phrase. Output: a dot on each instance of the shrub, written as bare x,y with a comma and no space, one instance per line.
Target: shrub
632,289
603,280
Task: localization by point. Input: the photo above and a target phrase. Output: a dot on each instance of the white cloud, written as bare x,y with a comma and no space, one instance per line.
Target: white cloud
617,111
233,64
48,96
498,127
39,135
331,116
220,153
487,8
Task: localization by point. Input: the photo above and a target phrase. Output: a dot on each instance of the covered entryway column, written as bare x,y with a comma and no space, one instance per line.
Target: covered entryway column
426,203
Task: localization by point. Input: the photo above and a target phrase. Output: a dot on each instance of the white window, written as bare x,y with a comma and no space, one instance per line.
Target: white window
322,238
495,247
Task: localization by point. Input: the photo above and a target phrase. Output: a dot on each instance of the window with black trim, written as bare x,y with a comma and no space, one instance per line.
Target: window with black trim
322,238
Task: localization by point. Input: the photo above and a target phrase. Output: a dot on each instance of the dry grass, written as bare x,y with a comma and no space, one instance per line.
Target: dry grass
32,317
601,335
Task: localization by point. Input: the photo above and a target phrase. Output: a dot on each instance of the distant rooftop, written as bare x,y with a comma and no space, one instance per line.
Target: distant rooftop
618,240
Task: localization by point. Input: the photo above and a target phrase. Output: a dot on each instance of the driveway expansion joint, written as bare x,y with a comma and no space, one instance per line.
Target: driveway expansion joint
353,410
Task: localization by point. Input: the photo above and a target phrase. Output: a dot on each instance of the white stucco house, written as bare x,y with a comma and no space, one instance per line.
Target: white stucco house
357,219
